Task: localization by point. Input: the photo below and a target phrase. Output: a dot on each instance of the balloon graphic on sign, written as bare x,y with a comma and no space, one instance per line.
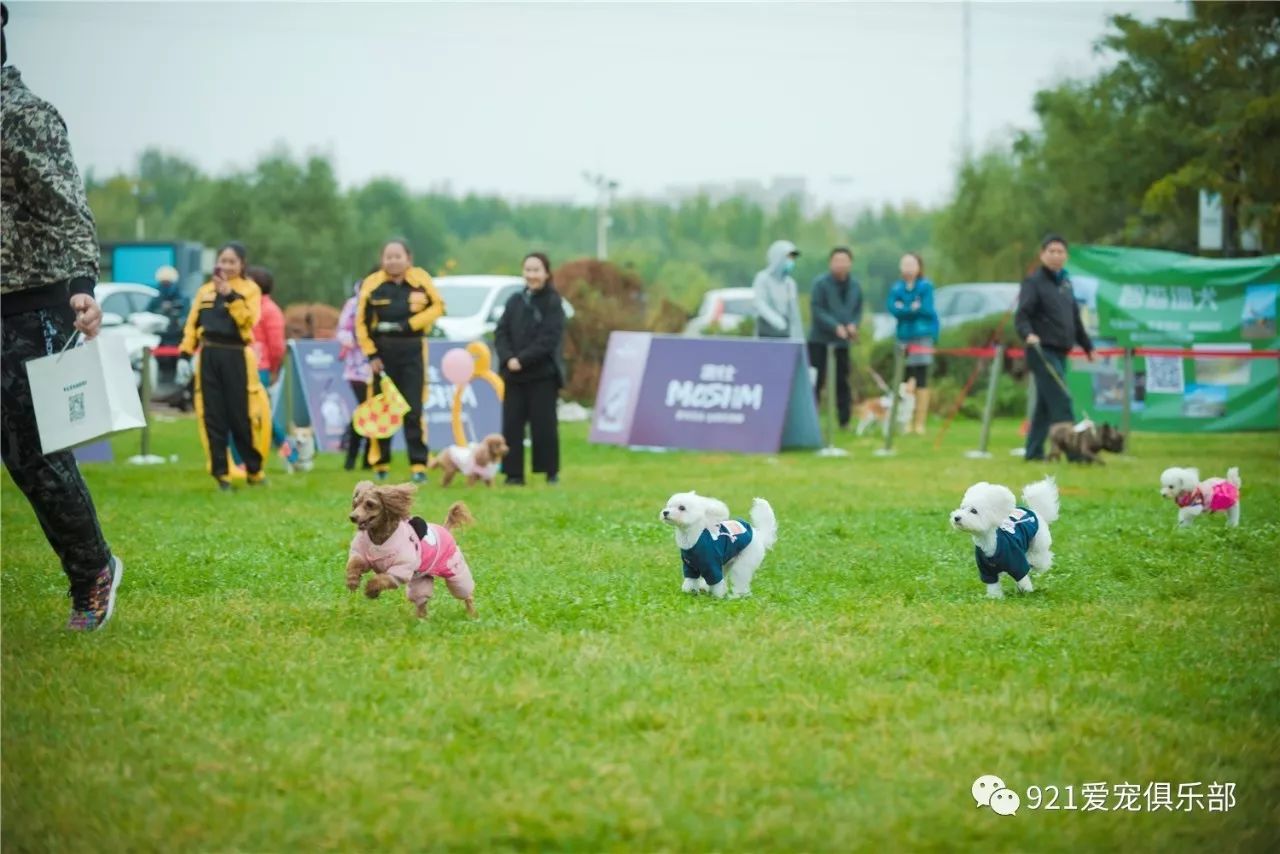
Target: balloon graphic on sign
460,366
484,366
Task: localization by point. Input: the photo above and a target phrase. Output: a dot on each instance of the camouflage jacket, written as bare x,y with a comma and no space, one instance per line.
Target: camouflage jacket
47,237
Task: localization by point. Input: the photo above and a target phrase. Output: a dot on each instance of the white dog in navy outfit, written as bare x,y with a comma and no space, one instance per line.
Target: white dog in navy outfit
1006,537
710,542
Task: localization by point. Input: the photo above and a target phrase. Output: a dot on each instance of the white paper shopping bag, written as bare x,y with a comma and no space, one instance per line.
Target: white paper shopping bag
84,393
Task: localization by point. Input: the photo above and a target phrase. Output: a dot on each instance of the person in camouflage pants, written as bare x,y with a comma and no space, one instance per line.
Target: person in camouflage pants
48,268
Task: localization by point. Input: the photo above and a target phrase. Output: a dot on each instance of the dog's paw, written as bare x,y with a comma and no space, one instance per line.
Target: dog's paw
374,586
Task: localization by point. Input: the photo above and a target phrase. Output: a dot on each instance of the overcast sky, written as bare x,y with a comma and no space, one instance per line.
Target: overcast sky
862,99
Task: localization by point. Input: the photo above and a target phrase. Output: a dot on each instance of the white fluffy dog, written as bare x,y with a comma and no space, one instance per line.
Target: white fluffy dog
1195,496
710,542
1006,537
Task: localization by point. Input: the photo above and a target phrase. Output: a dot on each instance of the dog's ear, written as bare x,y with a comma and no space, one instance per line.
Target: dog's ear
361,487
1194,474
714,512
998,502
481,455
397,500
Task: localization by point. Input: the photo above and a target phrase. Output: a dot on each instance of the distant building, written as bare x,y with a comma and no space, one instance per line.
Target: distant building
769,197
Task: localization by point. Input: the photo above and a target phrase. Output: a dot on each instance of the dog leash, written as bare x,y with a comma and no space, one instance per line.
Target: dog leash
884,387
1053,372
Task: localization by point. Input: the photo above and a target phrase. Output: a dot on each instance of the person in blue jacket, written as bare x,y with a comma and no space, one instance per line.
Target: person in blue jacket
911,302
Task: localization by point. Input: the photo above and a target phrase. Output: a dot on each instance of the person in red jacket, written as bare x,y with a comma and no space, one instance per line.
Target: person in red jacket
268,333
269,346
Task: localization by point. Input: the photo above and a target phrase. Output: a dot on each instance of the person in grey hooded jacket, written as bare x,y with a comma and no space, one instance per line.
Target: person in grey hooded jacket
777,303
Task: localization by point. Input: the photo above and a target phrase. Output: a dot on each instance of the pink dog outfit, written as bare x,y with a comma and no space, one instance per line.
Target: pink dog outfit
464,457
417,554
1223,495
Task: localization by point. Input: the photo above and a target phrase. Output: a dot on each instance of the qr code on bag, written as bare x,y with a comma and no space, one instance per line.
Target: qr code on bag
1164,375
75,406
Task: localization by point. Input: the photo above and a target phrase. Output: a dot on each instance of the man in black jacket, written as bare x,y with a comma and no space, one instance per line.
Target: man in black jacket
1048,318
835,301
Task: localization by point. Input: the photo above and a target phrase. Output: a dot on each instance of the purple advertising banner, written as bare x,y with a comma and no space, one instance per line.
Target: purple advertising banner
725,394
619,388
95,452
481,406
323,399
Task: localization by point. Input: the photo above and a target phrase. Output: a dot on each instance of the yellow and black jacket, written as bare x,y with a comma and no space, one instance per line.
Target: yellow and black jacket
390,310
228,320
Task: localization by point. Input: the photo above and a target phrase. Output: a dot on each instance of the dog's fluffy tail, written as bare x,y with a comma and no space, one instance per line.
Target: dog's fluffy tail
764,523
1233,476
1042,498
458,516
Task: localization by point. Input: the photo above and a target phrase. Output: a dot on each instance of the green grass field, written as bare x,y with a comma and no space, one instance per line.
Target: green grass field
243,700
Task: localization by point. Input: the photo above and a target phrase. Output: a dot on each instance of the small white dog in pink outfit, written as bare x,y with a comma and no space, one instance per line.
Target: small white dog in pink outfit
1195,496
404,551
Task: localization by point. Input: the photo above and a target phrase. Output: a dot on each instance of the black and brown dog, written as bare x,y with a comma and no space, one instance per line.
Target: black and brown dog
1081,443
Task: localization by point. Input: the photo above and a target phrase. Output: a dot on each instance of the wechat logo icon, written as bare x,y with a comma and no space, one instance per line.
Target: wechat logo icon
990,791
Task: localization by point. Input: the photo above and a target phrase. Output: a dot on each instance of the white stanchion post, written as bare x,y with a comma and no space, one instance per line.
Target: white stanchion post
1126,414
146,458
899,368
988,412
831,450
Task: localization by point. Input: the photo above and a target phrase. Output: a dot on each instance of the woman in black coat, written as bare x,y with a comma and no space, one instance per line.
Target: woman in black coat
529,338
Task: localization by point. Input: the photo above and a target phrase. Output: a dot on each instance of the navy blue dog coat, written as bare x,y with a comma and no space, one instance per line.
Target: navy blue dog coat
716,547
1012,538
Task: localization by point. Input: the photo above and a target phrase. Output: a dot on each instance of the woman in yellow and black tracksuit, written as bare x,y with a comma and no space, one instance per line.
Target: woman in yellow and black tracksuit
229,395
395,310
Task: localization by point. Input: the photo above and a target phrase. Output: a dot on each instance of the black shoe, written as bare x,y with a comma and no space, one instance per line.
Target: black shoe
514,481
553,480
224,485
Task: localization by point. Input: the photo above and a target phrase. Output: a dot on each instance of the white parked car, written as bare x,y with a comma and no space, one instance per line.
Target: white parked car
124,313
474,304
883,325
961,303
726,307
958,304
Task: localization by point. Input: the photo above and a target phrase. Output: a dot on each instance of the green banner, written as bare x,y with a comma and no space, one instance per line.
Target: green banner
1148,298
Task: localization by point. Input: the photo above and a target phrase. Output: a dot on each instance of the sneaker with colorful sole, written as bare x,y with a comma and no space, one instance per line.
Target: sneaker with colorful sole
91,609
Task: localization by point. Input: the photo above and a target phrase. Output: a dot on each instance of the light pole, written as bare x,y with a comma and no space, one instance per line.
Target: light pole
139,223
605,188
966,86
